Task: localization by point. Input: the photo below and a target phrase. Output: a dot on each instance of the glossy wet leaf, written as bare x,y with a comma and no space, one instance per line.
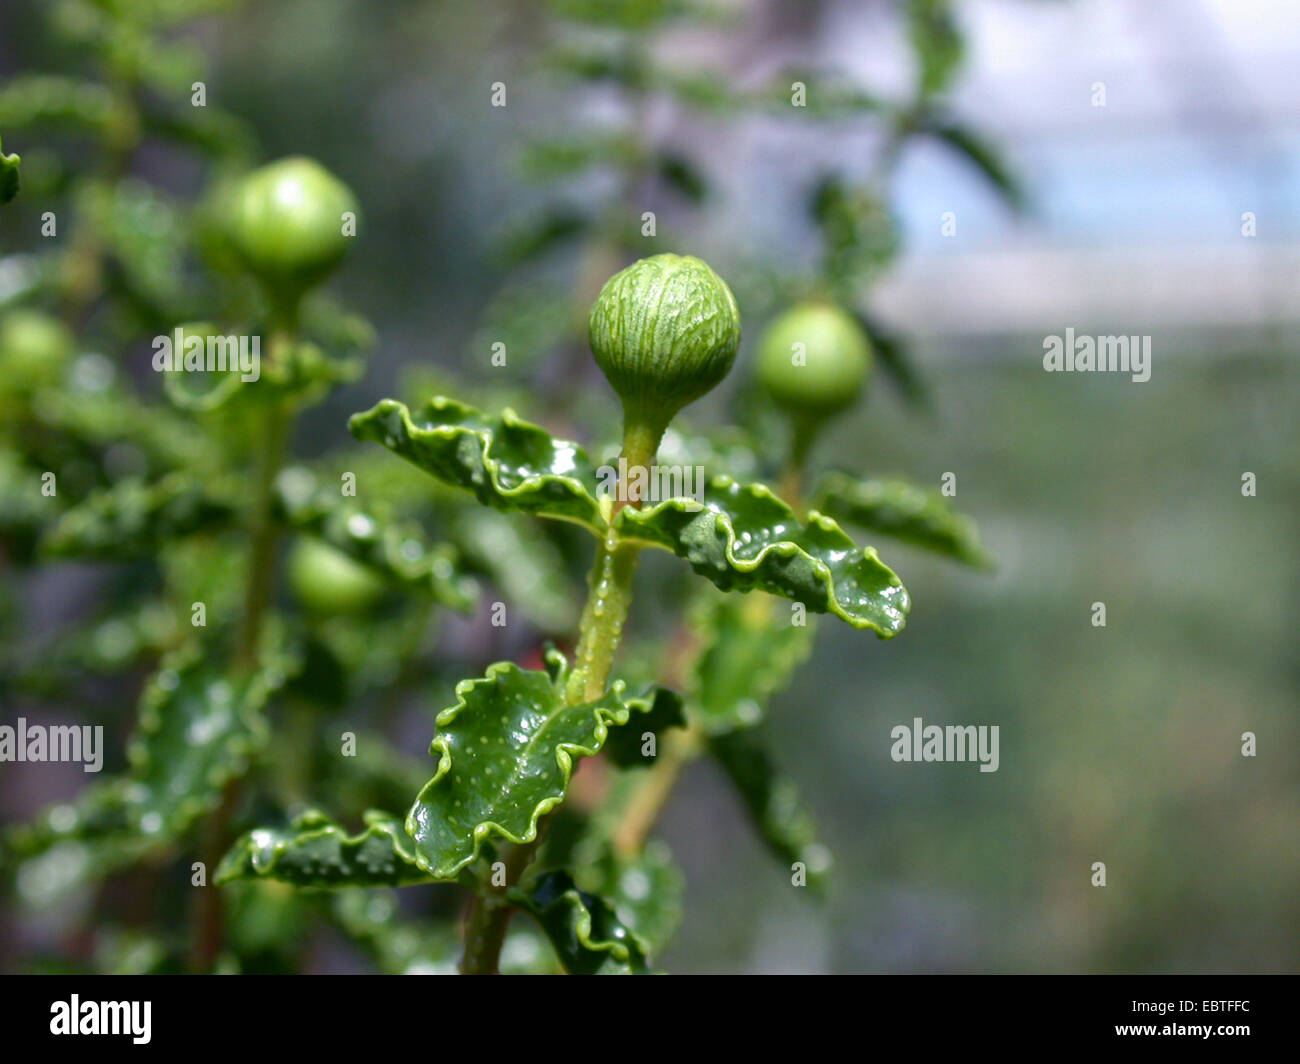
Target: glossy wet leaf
896,508
750,649
645,891
625,742
133,518
584,929
772,801
743,538
314,851
506,462
396,550
505,754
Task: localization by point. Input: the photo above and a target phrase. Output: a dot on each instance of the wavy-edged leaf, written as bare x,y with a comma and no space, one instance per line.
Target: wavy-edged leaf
584,929
396,551
505,754
8,176
133,518
506,462
750,650
645,891
314,851
902,510
625,742
743,538
773,804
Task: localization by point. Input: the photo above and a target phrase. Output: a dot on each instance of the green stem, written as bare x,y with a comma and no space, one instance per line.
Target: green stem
208,916
599,634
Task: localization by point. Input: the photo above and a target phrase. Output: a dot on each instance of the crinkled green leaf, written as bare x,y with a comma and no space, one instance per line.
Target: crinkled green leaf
8,176
743,538
132,518
506,462
625,742
397,551
644,890
314,851
904,511
505,753
773,804
750,650
584,929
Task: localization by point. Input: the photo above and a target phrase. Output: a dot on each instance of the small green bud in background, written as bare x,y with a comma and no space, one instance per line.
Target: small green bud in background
34,349
814,360
286,224
664,332
327,582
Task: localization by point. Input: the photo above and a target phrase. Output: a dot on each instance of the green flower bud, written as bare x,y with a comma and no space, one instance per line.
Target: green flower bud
34,348
814,360
327,582
286,223
664,332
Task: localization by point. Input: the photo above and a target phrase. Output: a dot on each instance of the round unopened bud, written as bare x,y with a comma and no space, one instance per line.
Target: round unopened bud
287,224
327,582
664,332
814,360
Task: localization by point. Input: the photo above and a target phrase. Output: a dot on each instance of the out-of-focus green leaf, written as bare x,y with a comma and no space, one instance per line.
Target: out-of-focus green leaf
584,929
46,100
314,851
859,236
936,41
143,234
682,175
979,153
625,742
395,550
743,538
529,240
773,804
904,511
198,729
506,462
827,96
505,753
750,650
894,357
559,157
522,562
400,947
132,519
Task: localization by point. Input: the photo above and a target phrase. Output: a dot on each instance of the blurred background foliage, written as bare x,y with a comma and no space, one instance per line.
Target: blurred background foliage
481,224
